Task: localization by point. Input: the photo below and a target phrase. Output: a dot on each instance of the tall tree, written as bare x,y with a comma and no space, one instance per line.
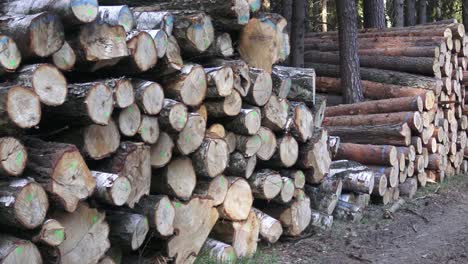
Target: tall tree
374,14
297,33
410,13
422,11
465,13
287,12
398,13
349,60
324,15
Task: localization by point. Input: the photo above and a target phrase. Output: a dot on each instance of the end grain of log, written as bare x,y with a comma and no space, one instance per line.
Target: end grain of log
215,188
112,189
117,15
266,184
19,107
161,152
275,114
24,203
191,137
149,129
270,228
240,165
287,153
100,142
189,86
13,157
238,201
246,123
10,58
269,144
194,31
129,120
302,122
228,106
219,251
176,179
220,81
160,213
127,230
149,96
15,250
261,87
211,158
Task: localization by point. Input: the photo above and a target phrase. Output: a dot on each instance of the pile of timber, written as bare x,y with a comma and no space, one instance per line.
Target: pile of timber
412,126
133,134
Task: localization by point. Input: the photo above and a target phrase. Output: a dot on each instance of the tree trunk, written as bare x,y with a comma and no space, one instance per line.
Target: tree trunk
176,179
24,204
89,231
374,14
248,145
15,250
36,35
413,119
398,13
149,20
127,231
191,137
132,160
160,213
398,135
61,170
349,60
111,189
65,58
422,11
191,235
238,201
243,235
465,13
324,14
268,146
368,154
297,33
173,116
149,96
410,13
380,184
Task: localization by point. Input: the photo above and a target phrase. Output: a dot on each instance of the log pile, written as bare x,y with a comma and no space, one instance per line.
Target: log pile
411,128
133,134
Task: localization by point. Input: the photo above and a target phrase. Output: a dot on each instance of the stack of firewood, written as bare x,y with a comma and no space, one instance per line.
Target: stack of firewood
133,134
411,129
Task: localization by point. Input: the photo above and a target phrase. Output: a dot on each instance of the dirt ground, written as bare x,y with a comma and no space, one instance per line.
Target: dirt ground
430,228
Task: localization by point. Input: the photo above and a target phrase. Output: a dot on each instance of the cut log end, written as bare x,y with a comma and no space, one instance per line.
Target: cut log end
192,135
161,152
10,58
46,34
124,95
193,89
52,233
288,151
100,104
201,34
238,201
268,147
211,158
101,141
13,157
149,129
150,97
64,58
23,107
142,49
15,250
49,84
85,11
31,205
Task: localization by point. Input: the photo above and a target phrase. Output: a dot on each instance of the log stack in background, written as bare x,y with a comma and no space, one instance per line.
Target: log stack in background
411,129
131,134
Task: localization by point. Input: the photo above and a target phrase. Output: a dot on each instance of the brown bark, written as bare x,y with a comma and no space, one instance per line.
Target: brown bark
349,60
374,14
368,154
398,135
378,106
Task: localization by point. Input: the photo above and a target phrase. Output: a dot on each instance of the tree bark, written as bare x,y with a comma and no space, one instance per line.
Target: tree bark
219,251
398,13
410,13
117,15
349,60
240,165
368,154
297,33
355,177
374,14
127,231
422,11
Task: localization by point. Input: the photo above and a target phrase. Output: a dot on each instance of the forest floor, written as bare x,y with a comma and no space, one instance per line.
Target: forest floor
430,228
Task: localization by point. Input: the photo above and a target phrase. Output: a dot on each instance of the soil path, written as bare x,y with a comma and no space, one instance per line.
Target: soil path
433,228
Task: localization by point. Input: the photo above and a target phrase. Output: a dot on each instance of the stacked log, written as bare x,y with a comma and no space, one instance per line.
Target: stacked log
155,145
411,127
